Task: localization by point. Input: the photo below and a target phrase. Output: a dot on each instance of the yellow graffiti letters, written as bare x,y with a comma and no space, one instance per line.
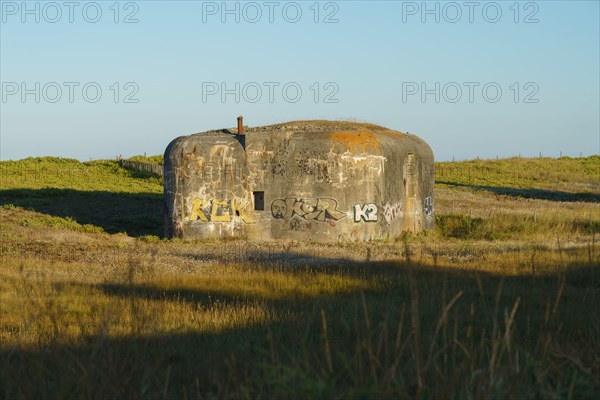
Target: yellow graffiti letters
238,209
220,211
217,210
198,207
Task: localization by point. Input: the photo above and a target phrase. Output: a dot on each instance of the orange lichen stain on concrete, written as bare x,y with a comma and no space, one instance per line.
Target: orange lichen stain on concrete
358,140
333,124
400,135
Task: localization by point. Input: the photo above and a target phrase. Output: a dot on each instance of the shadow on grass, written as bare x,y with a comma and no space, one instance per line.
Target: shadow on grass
539,194
286,354
136,214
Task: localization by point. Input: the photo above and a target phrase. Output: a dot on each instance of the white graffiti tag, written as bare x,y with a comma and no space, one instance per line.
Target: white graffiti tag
368,212
321,210
391,212
428,206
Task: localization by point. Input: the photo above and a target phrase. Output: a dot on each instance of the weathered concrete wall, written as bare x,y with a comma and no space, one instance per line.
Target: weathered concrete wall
319,180
203,196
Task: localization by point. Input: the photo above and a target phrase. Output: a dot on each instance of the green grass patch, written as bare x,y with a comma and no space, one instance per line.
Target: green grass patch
156,160
96,193
66,173
581,174
59,222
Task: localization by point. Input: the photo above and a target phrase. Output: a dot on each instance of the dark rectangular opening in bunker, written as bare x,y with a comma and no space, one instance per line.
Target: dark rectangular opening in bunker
259,201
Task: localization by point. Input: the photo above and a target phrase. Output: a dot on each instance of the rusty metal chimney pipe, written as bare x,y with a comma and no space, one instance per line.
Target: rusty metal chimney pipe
240,125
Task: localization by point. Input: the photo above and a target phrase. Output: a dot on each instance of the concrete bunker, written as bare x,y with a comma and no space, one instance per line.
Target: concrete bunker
306,180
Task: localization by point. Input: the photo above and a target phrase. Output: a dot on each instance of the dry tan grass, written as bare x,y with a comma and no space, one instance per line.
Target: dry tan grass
88,314
305,318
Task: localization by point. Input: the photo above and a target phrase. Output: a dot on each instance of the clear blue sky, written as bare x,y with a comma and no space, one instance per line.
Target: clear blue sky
375,61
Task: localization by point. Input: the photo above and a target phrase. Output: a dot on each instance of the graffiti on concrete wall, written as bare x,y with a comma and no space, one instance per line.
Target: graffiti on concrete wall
217,210
325,209
392,211
320,209
313,165
428,206
367,212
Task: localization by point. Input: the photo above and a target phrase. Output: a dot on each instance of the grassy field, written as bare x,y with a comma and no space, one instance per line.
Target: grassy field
98,193
500,301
